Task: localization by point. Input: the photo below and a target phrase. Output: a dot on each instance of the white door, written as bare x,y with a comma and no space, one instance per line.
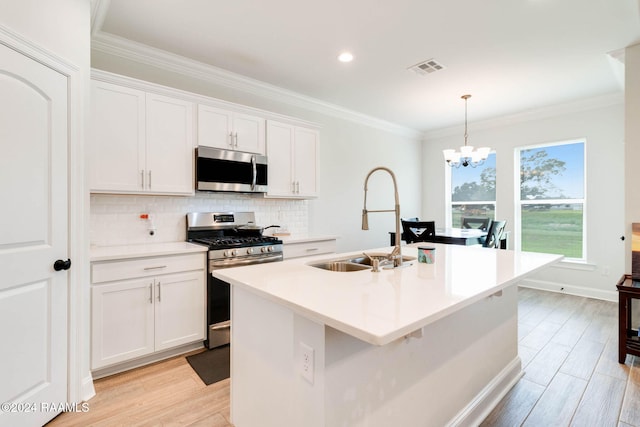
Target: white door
121,321
214,127
33,234
249,133
170,154
279,153
180,311
305,161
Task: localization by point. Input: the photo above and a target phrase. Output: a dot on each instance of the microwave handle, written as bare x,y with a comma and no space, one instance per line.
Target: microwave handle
255,172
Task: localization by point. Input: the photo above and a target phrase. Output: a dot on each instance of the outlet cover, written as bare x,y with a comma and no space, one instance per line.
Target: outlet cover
306,362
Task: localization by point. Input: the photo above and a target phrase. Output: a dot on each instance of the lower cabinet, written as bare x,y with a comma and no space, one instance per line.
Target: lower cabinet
137,317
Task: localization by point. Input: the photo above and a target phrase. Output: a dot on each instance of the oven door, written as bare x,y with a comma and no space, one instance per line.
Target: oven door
231,171
219,298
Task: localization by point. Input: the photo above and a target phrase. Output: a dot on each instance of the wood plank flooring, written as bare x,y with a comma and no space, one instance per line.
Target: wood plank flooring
568,347
569,351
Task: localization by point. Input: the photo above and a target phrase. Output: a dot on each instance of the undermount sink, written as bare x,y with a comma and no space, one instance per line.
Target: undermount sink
340,266
354,263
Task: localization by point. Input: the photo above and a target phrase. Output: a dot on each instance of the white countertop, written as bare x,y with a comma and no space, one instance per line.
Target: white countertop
108,253
381,307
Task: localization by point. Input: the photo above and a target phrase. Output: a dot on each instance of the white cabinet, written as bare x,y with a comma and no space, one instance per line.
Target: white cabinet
309,247
292,153
140,142
220,128
142,306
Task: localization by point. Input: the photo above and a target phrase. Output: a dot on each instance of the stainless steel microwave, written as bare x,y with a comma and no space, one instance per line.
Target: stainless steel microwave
232,171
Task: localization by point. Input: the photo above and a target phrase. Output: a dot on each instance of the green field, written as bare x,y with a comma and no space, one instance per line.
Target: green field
556,230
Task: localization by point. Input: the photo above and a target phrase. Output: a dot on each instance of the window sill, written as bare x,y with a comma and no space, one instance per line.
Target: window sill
576,265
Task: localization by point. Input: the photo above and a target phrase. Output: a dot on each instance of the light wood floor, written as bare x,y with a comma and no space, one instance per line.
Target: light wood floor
568,347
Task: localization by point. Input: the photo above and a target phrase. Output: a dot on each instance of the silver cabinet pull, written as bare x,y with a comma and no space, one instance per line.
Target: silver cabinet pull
231,139
150,293
159,292
293,186
158,267
149,179
142,178
298,187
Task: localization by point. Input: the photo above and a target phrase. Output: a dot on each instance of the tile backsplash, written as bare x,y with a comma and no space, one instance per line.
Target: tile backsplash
115,219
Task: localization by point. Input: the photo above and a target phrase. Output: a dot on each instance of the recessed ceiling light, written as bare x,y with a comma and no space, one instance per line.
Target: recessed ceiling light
345,57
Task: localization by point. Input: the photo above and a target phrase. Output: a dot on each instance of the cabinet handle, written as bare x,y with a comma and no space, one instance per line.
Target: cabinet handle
142,178
293,186
236,139
231,139
155,268
159,292
150,293
298,187
149,179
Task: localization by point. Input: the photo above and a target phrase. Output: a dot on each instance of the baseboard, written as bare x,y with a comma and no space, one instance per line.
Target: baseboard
87,391
480,407
580,291
146,360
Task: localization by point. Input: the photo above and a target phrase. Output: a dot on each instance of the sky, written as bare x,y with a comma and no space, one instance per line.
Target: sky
570,183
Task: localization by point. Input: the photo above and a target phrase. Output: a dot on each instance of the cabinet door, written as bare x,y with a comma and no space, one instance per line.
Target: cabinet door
179,309
121,321
279,155
117,138
249,133
305,161
170,151
214,127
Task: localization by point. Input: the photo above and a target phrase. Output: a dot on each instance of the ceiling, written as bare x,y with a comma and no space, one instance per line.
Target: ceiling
510,55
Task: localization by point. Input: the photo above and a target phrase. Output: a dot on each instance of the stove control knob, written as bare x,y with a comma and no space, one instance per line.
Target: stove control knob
263,249
249,251
227,253
233,252
270,248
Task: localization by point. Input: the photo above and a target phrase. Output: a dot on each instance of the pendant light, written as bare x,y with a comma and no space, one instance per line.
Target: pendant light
467,156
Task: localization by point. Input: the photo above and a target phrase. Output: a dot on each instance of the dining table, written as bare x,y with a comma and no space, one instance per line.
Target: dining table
455,236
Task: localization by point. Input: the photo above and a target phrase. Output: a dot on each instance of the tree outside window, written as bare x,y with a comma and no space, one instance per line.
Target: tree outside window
551,202
473,191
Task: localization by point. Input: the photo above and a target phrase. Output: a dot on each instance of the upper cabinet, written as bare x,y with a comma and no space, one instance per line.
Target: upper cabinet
292,153
140,142
230,130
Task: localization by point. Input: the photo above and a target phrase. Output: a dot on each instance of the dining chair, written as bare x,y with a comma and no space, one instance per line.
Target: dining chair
418,231
481,222
494,234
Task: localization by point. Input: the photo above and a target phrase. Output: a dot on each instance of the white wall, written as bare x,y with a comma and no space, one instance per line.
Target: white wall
348,150
600,122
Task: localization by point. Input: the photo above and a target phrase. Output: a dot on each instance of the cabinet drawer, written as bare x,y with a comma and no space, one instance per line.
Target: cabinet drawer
296,250
142,267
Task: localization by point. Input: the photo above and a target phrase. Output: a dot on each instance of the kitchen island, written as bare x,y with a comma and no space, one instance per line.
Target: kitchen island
418,345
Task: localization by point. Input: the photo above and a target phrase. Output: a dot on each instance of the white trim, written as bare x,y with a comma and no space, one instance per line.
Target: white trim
138,52
79,386
482,405
581,291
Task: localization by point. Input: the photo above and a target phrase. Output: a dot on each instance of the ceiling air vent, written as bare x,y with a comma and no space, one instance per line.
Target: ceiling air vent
427,67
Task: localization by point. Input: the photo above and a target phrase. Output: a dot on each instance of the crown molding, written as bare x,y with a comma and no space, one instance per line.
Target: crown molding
593,103
137,52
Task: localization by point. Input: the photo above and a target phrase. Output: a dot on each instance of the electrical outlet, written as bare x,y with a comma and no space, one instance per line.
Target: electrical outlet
306,362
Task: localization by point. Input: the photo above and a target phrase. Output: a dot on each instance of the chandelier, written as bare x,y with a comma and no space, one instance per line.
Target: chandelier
467,156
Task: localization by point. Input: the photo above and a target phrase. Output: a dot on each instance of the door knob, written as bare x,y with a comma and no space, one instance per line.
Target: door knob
62,265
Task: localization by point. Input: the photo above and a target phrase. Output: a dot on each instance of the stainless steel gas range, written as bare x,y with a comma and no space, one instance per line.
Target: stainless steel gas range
233,240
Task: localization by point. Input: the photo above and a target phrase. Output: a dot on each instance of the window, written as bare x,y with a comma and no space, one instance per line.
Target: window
551,200
473,191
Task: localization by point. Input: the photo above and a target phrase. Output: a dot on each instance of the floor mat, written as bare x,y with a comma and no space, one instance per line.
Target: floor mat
211,365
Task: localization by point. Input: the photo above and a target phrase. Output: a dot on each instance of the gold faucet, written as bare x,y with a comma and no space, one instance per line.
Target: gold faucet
396,254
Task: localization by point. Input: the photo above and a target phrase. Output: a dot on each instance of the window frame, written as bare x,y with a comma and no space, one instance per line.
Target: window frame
449,194
518,202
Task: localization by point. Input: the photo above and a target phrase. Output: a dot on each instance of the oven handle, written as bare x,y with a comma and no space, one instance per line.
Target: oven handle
228,263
